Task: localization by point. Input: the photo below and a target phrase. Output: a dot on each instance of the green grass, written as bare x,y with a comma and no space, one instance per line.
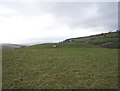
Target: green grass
69,66
105,40
107,43
112,34
82,39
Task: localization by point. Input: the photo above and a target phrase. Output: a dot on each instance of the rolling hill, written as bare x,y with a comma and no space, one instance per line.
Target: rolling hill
108,40
68,66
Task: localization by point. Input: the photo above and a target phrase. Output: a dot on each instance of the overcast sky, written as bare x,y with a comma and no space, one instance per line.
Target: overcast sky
38,22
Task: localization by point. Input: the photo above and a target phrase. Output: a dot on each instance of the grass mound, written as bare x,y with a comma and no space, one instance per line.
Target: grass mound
63,45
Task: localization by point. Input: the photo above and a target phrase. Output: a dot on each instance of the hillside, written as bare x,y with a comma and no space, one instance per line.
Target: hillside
108,40
68,66
10,46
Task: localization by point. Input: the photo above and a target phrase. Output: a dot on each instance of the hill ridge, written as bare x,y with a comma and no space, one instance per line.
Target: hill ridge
108,40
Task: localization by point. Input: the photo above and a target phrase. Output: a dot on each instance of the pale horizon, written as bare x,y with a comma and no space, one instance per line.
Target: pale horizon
51,22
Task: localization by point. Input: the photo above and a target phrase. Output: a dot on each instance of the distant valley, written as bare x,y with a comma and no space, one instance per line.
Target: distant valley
6,46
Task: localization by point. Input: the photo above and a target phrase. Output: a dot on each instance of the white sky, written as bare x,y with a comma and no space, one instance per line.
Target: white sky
25,22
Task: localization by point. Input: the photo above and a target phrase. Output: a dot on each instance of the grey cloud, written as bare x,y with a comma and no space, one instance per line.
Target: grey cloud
85,14
104,14
75,14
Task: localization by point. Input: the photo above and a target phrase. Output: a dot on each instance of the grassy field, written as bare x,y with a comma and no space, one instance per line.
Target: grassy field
69,66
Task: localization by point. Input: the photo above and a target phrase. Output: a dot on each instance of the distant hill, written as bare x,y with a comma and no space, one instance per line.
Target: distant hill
108,40
10,46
